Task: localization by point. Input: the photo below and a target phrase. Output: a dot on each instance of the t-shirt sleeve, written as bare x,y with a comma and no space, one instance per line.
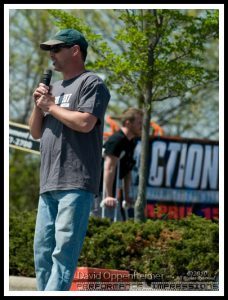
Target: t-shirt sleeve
113,146
94,97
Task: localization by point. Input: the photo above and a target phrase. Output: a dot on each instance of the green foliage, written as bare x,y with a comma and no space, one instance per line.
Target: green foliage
118,47
23,180
21,233
166,247
175,40
27,28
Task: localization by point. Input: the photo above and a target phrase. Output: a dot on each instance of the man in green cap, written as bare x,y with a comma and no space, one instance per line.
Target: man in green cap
66,39
68,119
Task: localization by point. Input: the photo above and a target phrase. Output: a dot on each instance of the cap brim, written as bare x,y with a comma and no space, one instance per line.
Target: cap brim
49,44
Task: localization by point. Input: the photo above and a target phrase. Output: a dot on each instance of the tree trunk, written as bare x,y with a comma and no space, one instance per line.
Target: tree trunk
140,203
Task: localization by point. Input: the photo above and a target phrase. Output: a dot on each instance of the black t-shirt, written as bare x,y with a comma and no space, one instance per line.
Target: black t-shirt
117,143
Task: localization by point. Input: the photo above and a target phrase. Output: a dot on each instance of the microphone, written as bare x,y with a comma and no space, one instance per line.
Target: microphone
46,79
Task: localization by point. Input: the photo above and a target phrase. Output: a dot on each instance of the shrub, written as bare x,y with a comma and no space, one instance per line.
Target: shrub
167,247
21,233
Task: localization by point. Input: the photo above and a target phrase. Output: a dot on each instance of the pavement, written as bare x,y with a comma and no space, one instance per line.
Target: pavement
19,283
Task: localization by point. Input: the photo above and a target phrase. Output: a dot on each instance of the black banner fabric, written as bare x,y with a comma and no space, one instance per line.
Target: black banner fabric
181,171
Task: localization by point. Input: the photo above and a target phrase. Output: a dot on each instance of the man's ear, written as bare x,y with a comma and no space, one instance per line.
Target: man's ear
127,123
76,49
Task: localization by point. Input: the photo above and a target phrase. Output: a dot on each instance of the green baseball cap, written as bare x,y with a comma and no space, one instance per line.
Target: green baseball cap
68,37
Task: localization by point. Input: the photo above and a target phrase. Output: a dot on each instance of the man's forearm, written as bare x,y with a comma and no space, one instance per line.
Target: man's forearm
108,183
71,119
35,122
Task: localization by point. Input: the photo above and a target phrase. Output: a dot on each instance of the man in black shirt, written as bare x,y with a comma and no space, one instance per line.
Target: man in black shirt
123,141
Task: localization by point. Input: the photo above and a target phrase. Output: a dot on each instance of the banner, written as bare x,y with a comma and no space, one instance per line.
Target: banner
20,138
180,171
182,177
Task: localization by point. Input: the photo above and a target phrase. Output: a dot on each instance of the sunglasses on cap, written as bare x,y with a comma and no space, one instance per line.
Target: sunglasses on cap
58,48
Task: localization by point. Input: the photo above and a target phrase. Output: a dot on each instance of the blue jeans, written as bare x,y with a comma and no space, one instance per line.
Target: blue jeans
61,224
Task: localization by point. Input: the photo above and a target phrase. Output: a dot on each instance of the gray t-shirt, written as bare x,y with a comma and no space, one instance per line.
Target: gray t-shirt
71,159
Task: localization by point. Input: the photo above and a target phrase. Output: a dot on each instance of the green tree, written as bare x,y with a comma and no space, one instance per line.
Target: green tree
164,60
177,116
26,64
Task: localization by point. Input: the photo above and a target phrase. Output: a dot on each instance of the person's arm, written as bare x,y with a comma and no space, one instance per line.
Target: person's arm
76,120
110,164
36,118
35,122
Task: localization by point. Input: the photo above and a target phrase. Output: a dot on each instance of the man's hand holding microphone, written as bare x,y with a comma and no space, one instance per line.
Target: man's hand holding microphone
42,97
